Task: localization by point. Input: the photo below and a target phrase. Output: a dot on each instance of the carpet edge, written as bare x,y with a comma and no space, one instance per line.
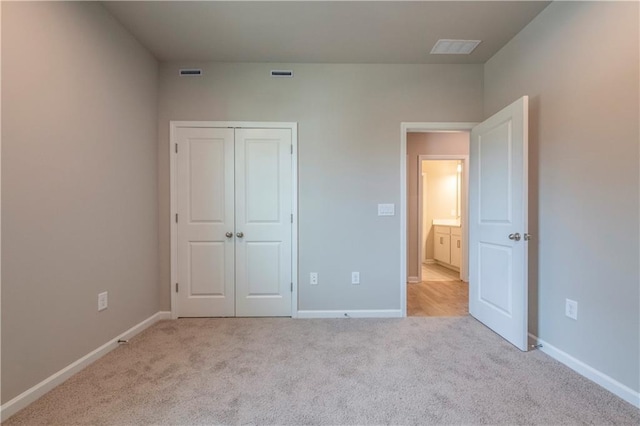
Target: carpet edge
21,401
585,370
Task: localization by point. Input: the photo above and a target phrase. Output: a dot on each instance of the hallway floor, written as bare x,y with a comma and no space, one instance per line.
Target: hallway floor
440,294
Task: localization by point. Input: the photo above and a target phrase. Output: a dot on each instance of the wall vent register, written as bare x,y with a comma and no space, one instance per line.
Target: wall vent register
281,73
454,47
190,72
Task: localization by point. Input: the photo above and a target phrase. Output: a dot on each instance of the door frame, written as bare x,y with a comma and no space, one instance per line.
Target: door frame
173,193
464,212
407,127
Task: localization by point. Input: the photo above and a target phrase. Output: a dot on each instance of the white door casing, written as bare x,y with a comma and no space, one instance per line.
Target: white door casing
264,218
221,177
498,287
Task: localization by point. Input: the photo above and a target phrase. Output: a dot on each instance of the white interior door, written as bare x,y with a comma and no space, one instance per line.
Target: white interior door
498,223
205,206
263,179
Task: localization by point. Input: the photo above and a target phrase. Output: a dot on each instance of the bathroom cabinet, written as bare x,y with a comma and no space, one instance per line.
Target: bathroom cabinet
448,245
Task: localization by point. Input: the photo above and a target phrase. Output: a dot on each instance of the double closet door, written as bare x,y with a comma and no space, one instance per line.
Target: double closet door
234,222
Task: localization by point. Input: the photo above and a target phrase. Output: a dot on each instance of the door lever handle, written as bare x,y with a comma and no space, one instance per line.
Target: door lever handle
515,236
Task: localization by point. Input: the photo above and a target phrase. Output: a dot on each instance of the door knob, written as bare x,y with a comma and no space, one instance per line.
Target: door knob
515,236
229,234
239,235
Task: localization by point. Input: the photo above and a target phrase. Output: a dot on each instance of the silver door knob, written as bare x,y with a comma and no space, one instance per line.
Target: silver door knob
229,234
515,236
239,235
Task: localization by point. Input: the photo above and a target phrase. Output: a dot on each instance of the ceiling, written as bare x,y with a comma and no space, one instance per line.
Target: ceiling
321,32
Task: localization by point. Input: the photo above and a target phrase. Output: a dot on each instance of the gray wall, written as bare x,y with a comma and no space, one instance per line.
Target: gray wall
79,187
431,143
579,64
349,157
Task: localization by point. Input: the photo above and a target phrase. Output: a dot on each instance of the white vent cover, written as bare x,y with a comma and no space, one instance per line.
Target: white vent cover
191,72
281,73
454,47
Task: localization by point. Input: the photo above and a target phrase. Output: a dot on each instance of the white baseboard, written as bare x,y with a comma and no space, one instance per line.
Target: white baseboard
30,395
413,280
364,313
610,384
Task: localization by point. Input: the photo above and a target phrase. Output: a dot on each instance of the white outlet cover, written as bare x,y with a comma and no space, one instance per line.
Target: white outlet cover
386,209
103,301
355,278
571,309
313,278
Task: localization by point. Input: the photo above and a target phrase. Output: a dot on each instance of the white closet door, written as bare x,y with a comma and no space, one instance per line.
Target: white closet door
263,222
205,175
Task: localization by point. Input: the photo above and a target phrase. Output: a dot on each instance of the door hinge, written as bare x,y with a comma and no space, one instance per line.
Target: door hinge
291,217
291,149
176,148
291,287
177,287
176,217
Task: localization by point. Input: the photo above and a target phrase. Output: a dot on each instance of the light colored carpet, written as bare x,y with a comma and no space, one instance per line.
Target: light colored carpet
330,371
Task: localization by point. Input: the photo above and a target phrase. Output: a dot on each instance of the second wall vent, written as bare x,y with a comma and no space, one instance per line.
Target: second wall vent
281,73
191,72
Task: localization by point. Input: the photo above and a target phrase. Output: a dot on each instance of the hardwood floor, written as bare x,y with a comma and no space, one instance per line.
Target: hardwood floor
441,294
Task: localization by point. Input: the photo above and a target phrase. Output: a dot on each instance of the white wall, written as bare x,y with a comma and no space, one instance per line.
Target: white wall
349,147
578,61
79,188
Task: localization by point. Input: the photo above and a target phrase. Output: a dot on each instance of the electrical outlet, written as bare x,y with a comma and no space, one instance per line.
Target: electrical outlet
571,309
355,278
313,278
103,301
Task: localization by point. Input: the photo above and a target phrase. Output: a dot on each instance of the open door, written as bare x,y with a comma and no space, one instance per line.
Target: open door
498,223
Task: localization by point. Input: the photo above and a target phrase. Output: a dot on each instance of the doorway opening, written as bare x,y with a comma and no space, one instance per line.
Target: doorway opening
495,239
440,289
436,182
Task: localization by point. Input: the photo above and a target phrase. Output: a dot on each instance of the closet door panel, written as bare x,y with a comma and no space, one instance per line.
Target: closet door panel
263,188
204,181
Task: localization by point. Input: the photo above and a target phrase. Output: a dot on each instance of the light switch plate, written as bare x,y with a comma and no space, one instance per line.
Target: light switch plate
386,209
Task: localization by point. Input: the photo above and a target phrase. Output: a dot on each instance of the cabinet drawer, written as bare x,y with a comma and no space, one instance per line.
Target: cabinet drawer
456,231
442,229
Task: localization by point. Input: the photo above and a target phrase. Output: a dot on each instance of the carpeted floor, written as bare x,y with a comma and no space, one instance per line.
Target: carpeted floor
329,371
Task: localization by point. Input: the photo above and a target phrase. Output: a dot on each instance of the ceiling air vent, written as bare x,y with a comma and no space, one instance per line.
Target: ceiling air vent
190,72
281,73
454,47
